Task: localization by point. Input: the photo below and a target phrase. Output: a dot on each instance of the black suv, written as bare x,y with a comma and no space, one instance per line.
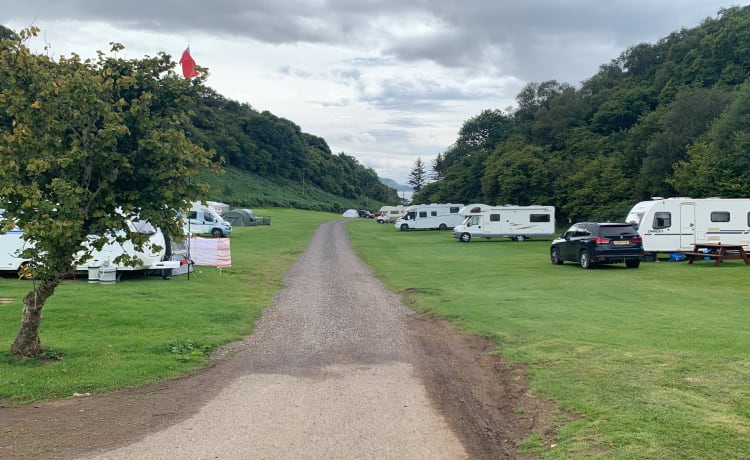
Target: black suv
589,243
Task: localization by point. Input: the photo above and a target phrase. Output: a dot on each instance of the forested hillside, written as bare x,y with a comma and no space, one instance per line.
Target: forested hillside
665,119
277,150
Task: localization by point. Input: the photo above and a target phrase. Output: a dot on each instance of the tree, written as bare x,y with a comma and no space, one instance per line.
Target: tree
417,176
85,146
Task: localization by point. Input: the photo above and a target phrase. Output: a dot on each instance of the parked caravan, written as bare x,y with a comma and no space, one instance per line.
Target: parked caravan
390,214
430,216
11,246
518,223
676,224
202,220
155,254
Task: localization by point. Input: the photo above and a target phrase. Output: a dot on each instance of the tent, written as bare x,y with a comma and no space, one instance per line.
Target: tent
240,217
350,213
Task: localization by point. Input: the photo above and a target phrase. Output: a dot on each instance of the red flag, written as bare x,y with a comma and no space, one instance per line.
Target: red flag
188,64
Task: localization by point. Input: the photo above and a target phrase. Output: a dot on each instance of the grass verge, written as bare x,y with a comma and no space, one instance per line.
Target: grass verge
654,360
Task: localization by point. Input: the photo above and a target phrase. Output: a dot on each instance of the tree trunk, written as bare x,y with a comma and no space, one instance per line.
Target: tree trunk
27,343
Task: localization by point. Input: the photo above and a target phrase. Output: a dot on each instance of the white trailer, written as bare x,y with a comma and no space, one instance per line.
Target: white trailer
154,256
390,214
11,246
676,224
518,223
430,217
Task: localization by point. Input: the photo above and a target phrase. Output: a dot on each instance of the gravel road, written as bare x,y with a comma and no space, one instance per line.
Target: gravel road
329,373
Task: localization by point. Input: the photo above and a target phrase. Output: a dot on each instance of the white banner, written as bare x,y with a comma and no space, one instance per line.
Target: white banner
212,252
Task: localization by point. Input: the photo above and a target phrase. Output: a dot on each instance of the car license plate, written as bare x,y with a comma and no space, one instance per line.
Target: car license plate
621,242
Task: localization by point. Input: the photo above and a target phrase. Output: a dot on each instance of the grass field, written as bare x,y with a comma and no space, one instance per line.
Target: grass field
650,363
653,362
145,329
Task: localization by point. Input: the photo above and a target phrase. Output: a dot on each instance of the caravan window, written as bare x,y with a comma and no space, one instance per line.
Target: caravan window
720,216
422,213
433,213
539,218
662,220
494,217
454,210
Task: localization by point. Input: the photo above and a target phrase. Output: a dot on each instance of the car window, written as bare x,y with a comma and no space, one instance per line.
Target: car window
617,230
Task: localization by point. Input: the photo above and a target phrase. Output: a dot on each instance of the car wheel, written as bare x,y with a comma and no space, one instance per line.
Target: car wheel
555,256
465,237
584,259
404,227
217,233
521,238
632,263
443,227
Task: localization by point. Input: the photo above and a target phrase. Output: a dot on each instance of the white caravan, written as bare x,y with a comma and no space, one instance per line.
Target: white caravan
155,254
518,223
430,216
152,258
391,214
676,224
11,246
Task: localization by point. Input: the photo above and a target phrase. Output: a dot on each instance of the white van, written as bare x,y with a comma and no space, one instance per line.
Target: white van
11,246
518,223
430,216
676,224
202,220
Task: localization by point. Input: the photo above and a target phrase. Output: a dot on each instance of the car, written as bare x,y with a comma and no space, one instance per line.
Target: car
592,243
365,214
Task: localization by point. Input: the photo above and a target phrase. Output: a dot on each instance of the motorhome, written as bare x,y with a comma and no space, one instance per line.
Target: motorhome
202,220
390,214
518,223
677,224
430,217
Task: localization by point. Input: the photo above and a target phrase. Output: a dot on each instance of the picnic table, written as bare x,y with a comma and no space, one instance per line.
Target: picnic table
718,251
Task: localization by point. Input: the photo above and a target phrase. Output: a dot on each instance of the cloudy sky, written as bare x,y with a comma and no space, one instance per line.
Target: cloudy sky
386,81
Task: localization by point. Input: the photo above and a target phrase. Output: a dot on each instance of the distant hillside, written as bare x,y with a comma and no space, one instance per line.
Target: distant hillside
241,189
395,185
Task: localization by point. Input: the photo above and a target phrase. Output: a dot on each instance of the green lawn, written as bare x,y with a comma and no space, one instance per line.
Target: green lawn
145,329
654,362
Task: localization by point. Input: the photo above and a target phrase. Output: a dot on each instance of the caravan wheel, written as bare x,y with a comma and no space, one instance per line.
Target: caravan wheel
404,227
520,238
443,227
217,233
465,237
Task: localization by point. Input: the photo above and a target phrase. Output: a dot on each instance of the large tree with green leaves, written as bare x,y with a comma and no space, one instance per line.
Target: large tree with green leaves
86,145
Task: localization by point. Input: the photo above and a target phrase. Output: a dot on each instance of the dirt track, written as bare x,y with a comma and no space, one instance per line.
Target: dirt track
338,368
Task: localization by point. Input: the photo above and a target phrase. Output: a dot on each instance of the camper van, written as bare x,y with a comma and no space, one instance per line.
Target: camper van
518,223
676,224
430,216
202,220
390,214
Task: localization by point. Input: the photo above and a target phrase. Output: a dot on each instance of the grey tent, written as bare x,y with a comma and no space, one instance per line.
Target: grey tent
240,217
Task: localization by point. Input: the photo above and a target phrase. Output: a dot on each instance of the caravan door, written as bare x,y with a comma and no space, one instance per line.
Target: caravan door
687,225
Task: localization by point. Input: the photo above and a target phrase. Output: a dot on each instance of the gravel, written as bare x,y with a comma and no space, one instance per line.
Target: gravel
328,373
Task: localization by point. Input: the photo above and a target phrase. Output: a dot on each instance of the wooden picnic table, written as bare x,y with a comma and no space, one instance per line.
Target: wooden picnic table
718,251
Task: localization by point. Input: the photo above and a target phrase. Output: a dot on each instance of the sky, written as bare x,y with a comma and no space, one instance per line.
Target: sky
384,81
